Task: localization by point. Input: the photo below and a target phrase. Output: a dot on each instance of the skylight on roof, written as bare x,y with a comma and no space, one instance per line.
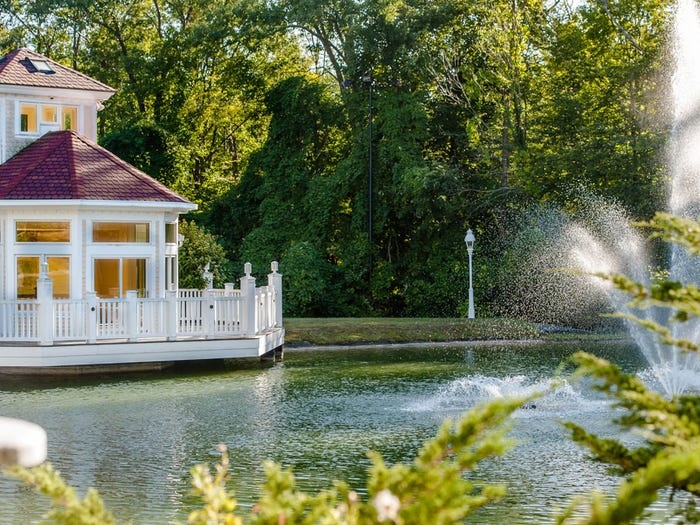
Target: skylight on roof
42,66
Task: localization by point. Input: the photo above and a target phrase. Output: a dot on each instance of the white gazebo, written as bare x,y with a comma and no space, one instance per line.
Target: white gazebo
89,245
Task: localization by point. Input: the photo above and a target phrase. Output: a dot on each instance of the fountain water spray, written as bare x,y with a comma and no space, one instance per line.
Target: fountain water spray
679,371
600,238
674,370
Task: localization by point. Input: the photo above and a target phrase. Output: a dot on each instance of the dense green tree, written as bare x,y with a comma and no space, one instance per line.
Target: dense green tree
480,112
290,210
200,250
599,122
145,146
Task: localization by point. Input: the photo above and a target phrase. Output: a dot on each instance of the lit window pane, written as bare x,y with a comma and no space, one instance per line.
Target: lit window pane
70,118
120,232
28,273
107,278
49,114
28,118
36,231
134,276
59,272
114,277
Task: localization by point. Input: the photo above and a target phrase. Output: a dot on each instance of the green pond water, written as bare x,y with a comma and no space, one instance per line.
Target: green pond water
135,437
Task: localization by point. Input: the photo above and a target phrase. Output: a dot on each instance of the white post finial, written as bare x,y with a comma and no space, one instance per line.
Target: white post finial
274,281
248,307
248,269
208,278
43,267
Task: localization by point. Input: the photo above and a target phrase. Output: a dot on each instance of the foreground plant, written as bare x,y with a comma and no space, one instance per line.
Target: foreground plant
434,488
667,457
66,507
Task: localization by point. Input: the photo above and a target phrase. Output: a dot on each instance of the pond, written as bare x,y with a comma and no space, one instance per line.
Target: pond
135,437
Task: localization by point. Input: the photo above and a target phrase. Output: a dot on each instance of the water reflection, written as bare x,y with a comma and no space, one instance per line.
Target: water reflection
135,438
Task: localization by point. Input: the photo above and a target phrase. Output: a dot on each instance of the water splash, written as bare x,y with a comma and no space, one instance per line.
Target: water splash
593,250
546,286
463,393
677,371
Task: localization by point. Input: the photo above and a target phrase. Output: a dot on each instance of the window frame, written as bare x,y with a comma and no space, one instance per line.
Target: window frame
61,112
135,224
41,65
67,226
20,114
141,273
58,291
171,232
74,111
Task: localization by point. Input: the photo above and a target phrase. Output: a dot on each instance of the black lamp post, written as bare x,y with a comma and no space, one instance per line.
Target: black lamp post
367,79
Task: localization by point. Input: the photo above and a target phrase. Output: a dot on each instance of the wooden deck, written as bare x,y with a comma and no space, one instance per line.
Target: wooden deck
55,335
121,355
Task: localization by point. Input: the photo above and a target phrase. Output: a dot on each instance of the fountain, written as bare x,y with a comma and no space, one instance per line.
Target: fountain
599,238
622,252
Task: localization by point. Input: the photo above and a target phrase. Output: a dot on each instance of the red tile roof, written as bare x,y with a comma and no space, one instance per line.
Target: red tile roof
66,165
16,69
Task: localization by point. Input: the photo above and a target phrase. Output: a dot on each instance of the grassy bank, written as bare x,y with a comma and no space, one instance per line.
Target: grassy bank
336,331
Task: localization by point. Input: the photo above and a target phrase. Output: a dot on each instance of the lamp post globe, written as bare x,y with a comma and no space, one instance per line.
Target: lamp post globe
469,240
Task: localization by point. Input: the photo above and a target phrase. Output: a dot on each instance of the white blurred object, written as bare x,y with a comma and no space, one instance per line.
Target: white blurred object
21,443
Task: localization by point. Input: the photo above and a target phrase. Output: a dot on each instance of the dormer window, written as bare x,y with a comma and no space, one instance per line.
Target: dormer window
40,118
42,66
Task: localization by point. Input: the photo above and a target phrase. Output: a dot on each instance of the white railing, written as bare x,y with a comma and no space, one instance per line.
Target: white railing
193,293
69,320
151,318
227,316
264,302
110,315
18,320
230,312
189,293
